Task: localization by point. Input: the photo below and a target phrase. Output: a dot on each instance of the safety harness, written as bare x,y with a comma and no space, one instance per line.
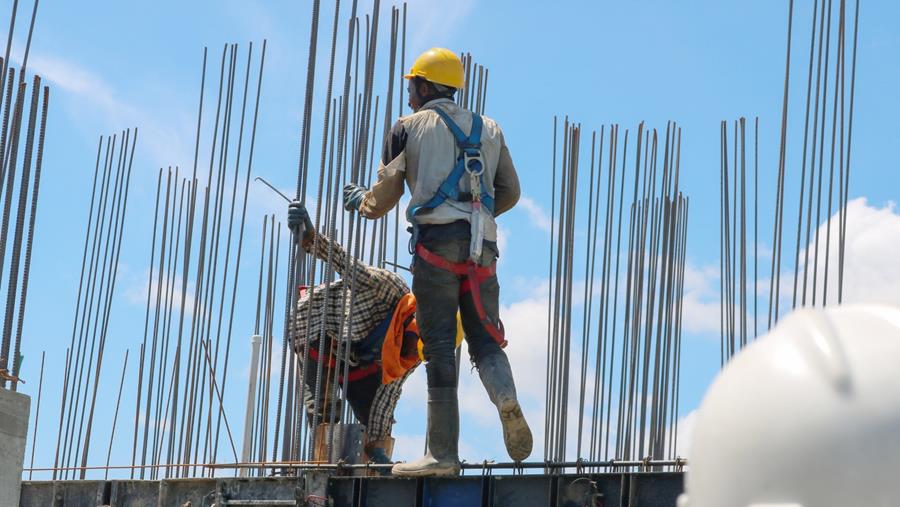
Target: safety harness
471,274
471,277
470,163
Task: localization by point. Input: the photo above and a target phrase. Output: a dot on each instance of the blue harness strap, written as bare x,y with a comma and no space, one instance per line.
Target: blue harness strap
469,149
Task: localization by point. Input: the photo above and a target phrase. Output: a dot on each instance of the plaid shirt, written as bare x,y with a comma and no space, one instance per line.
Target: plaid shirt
375,295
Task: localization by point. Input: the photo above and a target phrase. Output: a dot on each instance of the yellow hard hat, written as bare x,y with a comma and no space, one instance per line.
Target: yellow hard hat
439,65
459,337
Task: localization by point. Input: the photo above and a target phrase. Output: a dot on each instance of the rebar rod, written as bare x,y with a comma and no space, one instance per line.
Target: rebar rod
847,160
37,414
812,46
815,269
112,434
775,280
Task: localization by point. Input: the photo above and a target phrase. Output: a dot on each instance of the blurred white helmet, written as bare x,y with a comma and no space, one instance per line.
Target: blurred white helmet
807,416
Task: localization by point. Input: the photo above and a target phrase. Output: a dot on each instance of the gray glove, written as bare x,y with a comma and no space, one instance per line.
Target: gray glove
298,218
353,196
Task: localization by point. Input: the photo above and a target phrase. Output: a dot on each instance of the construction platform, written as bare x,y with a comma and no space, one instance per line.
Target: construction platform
626,489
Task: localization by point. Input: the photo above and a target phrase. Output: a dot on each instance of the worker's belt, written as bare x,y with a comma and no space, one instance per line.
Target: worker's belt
357,373
471,276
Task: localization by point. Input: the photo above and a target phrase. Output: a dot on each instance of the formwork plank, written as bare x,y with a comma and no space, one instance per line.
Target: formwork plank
134,494
342,491
453,492
262,488
388,492
599,490
79,493
37,494
521,490
655,489
180,491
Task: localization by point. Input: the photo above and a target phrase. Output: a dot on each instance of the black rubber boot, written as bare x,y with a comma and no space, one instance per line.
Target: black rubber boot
379,453
496,375
442,458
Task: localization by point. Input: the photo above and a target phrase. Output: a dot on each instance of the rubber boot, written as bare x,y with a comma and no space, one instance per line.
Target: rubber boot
379,452
497,378
442,458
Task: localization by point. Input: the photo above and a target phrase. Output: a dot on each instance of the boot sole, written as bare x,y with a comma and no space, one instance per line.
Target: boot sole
516,433
434,471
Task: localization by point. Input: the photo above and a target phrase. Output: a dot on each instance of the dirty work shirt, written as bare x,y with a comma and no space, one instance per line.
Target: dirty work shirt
421,152
376,293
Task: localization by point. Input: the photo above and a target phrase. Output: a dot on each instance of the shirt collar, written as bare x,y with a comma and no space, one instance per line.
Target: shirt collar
431,104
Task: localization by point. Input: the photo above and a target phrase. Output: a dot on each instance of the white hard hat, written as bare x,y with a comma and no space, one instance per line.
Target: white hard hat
807,416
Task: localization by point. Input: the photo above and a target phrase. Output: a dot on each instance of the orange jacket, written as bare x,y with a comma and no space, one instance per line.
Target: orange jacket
393,364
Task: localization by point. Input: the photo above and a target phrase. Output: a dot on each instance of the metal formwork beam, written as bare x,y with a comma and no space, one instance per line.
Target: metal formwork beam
639,489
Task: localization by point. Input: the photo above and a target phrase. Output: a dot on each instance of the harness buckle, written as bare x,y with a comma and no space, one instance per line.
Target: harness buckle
473,162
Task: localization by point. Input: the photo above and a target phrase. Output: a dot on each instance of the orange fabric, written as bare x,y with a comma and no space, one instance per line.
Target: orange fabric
393,364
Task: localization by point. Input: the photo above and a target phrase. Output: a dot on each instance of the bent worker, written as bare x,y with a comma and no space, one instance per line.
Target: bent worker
382,331
459,170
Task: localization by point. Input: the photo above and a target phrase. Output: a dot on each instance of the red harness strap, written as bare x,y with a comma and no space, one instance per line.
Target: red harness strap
355,373
471,276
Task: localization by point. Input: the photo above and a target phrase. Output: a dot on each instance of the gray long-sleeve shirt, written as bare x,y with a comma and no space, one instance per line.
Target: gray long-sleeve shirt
421,151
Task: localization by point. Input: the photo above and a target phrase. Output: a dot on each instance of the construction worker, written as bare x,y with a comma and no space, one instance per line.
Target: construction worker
382,330
458,168
808,415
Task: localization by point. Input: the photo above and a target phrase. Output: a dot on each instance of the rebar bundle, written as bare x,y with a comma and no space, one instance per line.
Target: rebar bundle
93,307
266,303
824,180
195,260
22,134
628,359
736,288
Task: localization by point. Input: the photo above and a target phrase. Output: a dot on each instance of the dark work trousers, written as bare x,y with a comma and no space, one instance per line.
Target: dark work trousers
360,392
438,299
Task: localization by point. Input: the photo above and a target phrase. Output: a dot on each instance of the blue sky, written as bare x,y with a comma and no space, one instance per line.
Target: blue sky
113,65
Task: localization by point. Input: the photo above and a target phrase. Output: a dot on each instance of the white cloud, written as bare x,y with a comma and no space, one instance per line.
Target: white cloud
871,271
700,303
686,433
537,215
526,328
161,133
136,292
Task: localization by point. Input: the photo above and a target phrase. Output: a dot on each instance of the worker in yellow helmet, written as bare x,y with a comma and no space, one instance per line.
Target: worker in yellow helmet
461,176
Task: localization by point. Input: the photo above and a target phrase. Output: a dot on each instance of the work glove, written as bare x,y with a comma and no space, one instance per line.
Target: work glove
298,220
353,196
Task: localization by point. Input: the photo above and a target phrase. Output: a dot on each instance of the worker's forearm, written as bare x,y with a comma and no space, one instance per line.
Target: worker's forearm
324,249
354,272
386,192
